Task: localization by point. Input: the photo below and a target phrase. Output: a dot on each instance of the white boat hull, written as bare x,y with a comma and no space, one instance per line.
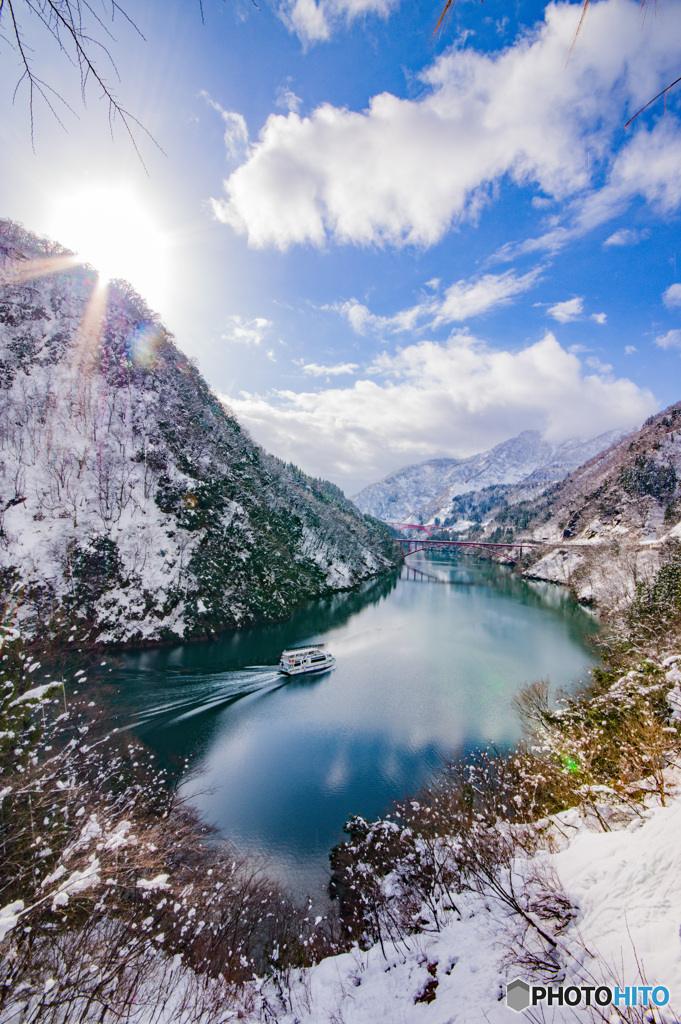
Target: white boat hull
305,662
308,670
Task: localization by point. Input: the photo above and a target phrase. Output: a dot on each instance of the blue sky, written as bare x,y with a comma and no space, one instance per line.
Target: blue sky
379,245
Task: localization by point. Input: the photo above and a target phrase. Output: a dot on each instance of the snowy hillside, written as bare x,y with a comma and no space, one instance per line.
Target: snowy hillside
133,506
609,525
421,492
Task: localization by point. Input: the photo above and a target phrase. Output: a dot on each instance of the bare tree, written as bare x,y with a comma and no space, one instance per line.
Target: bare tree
81,31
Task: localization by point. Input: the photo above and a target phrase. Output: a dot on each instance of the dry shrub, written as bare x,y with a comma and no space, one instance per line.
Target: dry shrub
403,874
612,743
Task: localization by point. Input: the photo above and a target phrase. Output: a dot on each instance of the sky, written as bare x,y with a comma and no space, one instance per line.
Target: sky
381,244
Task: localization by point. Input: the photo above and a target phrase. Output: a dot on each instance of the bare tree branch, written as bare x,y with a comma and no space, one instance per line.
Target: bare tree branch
66,21
654,99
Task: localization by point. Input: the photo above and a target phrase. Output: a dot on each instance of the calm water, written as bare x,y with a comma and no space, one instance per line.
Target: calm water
425,669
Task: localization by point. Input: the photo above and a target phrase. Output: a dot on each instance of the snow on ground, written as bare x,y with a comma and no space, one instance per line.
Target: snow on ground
599,573
626,887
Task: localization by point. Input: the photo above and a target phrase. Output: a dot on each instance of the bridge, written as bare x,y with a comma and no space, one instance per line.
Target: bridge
412,545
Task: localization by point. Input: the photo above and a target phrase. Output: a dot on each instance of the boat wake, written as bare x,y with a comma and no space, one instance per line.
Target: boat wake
181,697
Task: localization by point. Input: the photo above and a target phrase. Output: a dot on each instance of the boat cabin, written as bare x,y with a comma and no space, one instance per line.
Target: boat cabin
305,659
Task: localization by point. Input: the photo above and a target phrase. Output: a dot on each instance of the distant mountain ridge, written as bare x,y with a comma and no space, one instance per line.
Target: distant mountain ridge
419,493
133,506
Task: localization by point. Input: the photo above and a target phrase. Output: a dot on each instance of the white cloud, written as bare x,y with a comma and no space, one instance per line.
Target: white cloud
672,339
362,320
315,22
236,130
461,301
287,99
236,133
630,349
307,19
246,332
571,310
403,171
649,166
625,236
466,299
645,167
431,399
339,370
566,312
594,363
672,296
359,316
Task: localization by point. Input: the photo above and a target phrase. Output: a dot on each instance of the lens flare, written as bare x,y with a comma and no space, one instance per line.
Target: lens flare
143,344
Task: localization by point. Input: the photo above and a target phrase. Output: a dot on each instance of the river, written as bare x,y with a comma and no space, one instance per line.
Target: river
426,668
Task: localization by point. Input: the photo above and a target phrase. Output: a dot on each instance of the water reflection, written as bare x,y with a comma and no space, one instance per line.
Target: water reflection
423,671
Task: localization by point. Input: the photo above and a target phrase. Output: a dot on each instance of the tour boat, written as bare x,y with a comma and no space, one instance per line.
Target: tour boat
305,659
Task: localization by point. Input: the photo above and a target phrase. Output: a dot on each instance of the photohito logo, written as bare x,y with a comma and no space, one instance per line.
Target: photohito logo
520,995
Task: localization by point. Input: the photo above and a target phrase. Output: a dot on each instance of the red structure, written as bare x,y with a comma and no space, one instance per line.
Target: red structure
412,545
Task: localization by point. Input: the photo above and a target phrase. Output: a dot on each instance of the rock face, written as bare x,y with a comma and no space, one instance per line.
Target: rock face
133,506
612,523
427,490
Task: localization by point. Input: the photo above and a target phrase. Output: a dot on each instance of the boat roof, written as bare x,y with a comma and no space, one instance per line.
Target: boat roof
299,650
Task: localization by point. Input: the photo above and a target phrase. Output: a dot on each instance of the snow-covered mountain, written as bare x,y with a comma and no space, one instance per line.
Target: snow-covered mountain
612,523
421,492
133,506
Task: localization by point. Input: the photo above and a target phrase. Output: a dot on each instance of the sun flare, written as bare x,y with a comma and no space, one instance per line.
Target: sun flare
112,228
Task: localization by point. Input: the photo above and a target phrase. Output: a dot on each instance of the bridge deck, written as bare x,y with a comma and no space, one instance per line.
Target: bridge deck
436,542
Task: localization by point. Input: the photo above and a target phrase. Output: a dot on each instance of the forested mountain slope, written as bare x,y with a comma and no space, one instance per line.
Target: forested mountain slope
133,506
614,520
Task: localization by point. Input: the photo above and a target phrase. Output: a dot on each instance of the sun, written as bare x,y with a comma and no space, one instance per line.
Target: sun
113,229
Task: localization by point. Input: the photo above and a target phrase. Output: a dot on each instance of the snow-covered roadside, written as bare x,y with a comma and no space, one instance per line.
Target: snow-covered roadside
625,885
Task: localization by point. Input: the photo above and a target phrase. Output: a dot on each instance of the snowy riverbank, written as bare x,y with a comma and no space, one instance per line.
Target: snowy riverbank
625,886
120,903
